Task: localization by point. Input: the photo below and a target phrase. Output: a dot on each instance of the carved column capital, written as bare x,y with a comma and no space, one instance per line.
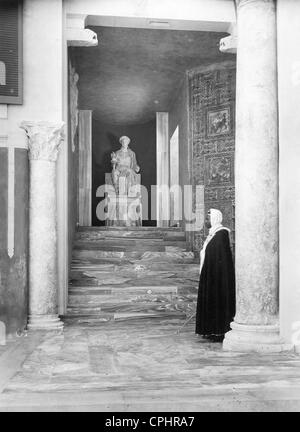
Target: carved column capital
44,139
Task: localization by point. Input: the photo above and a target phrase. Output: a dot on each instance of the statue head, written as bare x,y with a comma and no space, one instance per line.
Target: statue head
124,140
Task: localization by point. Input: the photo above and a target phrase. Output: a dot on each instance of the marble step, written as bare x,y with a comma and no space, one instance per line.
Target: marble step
126,229
131,245
170,255
161,304
95,279
106,290
118,298
102,318
145,285
85,301
134,303
106,311
95,234
120,267
132,276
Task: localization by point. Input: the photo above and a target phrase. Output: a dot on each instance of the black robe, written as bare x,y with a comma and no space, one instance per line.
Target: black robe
216,295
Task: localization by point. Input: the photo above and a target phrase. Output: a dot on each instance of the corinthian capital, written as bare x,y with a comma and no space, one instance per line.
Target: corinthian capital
43,139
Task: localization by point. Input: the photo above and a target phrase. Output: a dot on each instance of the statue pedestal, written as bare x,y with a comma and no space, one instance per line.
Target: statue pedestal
122,209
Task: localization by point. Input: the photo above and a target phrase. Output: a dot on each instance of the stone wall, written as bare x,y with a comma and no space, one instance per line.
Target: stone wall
212,139
14,244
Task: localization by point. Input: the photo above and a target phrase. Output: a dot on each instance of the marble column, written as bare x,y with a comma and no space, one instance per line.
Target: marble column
43,142
255,325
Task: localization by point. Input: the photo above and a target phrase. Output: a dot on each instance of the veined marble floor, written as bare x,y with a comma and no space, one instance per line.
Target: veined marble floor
141,365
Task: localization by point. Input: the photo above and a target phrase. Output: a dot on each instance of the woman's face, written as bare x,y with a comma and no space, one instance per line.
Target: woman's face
207,221
125,143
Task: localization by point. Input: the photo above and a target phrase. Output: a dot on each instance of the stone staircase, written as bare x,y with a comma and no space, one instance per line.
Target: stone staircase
131,273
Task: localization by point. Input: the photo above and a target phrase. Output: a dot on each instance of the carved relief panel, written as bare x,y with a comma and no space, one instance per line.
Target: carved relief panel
212,134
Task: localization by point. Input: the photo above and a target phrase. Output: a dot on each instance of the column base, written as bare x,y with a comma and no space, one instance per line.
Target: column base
258,338
45,322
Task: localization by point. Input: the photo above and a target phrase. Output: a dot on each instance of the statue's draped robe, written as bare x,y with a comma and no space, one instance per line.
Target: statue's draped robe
127,167
216,295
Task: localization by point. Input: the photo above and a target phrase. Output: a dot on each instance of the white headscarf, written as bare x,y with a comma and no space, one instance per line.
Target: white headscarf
216,219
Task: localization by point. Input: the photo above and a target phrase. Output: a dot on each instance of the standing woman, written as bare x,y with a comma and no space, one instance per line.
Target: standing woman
216,295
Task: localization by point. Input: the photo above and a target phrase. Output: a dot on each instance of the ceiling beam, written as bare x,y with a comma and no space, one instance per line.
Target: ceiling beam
198,15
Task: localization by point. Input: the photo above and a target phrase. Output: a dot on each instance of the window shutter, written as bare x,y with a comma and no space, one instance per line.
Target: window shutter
11,51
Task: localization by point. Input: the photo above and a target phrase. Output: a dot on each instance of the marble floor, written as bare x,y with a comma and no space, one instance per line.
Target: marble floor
130,292
141,365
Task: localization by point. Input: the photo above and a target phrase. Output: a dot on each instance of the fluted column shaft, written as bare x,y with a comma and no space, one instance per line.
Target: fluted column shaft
255,326
43,141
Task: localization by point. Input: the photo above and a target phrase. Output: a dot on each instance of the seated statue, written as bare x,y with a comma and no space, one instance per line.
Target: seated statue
125,168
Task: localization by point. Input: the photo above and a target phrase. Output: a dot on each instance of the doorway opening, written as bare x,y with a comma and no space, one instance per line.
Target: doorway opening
133,78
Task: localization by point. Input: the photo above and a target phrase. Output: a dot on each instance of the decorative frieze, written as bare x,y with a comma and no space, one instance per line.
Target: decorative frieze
212,96
219,169
219,193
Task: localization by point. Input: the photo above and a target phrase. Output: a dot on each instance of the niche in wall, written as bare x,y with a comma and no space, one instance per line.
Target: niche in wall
106,140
